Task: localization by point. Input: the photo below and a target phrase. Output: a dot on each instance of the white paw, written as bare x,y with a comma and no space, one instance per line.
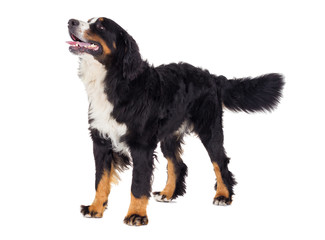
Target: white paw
221,201
160,198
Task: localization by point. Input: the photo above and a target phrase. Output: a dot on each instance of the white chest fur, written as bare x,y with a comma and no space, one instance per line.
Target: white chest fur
93,73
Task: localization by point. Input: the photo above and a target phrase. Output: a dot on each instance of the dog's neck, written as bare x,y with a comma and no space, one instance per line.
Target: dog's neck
91,71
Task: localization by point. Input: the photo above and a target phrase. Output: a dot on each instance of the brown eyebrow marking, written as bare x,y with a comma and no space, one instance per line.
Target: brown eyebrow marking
90,20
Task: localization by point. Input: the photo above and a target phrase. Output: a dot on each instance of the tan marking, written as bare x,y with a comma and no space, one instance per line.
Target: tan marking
94,37
221,187
102,192
101,19
138,206
171,181
114,45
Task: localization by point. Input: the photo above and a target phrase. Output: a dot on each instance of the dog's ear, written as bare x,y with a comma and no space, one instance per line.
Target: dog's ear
132,59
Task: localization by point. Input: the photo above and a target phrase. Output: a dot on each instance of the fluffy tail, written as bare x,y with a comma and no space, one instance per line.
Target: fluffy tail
253,94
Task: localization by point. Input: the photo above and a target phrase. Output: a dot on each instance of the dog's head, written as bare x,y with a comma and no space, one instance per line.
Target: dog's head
107,42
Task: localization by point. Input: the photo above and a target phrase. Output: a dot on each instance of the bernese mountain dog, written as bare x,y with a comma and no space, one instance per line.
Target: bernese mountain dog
133,106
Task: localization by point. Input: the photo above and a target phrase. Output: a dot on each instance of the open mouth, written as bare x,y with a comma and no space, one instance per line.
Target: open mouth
79,46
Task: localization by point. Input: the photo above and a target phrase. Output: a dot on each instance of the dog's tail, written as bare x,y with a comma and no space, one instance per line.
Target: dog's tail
262,93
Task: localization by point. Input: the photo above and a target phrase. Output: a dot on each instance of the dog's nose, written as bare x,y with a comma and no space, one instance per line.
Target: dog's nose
73,23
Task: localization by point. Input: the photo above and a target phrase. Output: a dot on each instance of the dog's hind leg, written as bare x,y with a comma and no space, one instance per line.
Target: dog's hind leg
207,120
176,169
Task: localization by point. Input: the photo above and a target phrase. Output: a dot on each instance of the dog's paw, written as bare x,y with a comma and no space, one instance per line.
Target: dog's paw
90,212
222,201
159,197
136,220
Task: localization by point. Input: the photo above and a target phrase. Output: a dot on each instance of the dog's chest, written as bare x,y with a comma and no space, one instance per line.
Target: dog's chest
93,73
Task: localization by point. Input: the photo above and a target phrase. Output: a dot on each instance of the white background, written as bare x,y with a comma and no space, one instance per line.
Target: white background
47,168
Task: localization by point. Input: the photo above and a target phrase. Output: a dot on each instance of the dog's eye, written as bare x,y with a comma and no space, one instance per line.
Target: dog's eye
100,27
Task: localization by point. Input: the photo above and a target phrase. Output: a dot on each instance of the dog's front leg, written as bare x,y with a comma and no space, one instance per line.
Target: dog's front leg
105,175
141,186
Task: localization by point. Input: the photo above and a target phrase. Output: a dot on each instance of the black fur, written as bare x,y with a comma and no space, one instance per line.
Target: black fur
104,156
251,95
153,102
142,171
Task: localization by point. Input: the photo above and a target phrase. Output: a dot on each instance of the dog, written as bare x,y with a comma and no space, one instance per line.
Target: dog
133,106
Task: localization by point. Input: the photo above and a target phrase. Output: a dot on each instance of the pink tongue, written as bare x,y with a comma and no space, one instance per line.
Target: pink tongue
71,42
81,44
